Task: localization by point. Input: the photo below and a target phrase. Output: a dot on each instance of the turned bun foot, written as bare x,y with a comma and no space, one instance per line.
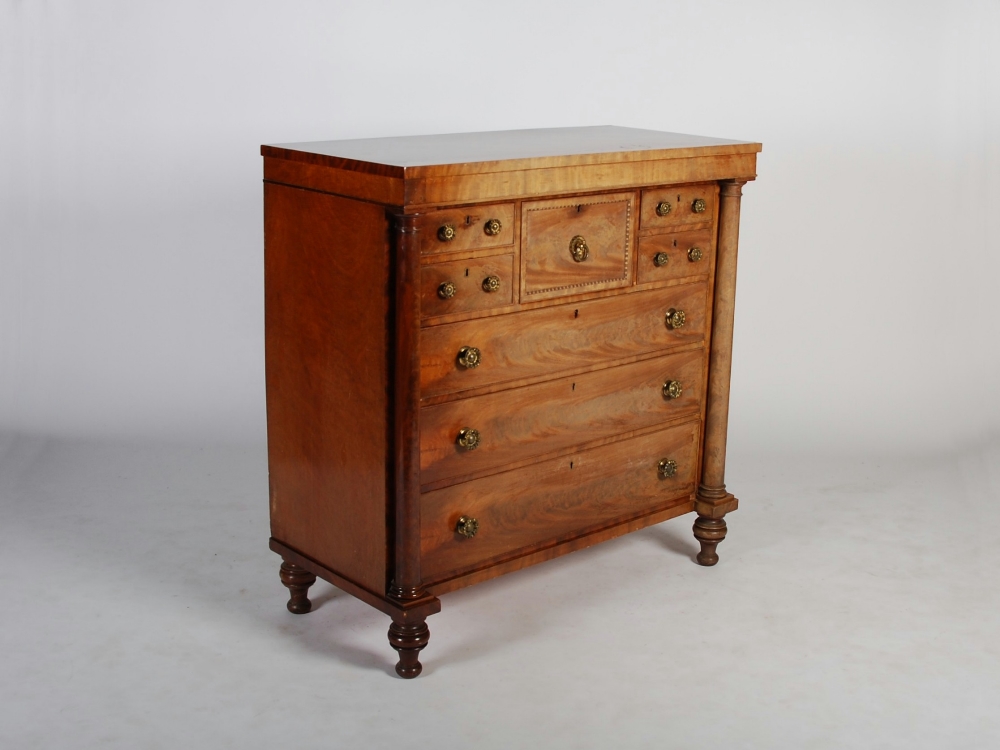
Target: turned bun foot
709,532
298,580
408,638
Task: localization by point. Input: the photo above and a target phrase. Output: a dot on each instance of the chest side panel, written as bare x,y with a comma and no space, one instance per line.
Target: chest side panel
326,311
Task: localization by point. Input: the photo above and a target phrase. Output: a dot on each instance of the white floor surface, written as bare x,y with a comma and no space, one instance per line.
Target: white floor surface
857,605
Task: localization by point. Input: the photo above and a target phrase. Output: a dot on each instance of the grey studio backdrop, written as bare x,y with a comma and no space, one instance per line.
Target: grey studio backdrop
131,295
132,382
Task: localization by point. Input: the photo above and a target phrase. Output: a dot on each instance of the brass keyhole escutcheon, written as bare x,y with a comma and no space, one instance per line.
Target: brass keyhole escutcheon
491,284
578,248
468,438
695,254
469,357
675,318
699,206
467,526
447,290
666,468
492,227
673,389
446,233
663,208
660,259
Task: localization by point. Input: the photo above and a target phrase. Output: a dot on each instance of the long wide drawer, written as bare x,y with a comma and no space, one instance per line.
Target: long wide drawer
554,501
538,342
460,438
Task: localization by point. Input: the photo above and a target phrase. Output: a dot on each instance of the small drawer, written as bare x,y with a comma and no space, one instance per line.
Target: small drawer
678,206
464,285
677,255
555,500
575,245
518,424
469,228
545,341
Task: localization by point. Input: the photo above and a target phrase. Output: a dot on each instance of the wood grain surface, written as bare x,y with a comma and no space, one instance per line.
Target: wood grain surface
468,276
543,552
545,341
552,416
555,500
469,223
676,246
327,382
548,268
450,154
681,199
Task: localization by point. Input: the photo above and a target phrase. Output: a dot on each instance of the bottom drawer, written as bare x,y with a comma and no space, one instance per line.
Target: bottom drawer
555,500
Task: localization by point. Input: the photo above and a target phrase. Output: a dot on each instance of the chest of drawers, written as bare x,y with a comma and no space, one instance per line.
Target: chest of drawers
487,350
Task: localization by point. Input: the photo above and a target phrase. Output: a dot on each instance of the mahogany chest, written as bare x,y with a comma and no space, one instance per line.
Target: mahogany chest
487,350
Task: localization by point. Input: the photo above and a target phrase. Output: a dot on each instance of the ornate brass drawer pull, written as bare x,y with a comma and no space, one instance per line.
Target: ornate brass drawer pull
467,526
491,284
695,254
469,357
663,208
492,227
673,389
660,259
446,233
468,438
675,318
666,468
578,248
699,206
447,290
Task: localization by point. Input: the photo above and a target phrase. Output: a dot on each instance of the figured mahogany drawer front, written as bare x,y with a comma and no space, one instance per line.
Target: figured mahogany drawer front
464,285
539,342
678,206
575,245
537,419
555,500
678,255
468,228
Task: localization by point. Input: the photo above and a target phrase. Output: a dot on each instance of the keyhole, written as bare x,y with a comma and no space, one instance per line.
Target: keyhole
579,207
675,245
468,219
678,198
466,271
576,313
571,464
574,386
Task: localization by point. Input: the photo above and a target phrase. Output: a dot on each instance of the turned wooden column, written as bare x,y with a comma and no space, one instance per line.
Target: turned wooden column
713,501
408,633
406,584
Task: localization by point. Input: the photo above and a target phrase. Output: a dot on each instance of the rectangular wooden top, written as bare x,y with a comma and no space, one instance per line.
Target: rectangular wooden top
504,150
425,170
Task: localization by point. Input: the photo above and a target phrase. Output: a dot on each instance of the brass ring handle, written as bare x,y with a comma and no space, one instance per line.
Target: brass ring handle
675,318
695,254
578,248
492,227
446,290
467,526
666,468
491,284
663,208
469,357
660,259
699,206
446,233
673,389
468,438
